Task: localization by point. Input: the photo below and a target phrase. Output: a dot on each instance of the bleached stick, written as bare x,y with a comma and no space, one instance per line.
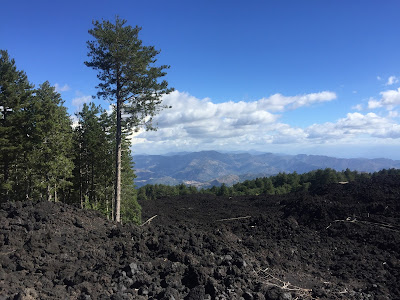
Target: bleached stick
230,219
149,220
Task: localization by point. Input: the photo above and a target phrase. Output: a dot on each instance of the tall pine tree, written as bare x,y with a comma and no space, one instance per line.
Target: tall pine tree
129,78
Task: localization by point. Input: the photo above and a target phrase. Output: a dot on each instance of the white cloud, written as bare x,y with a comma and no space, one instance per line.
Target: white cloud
378,77
355,125
75,121
389,100
199,124
79,101
372,104
63,88
278,102
392,80
358,107
193,122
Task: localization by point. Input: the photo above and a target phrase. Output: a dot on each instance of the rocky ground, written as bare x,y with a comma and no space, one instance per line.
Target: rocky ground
341,242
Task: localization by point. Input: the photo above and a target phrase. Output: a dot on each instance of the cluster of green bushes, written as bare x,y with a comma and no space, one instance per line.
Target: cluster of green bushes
282,183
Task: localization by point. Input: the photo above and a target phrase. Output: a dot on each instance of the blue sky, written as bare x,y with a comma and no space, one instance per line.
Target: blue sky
314,77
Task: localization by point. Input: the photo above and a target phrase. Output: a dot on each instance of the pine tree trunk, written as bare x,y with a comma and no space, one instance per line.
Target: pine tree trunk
55,193
49,195
118,153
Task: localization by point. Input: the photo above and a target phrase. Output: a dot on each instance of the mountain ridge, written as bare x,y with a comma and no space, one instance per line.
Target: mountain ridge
207,168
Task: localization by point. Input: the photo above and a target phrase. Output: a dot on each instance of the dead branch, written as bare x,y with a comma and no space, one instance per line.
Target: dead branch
231,219
272,280
149,220
9,252
377,224
348,219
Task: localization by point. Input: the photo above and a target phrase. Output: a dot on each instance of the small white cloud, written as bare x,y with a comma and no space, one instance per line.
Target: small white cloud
358,107
278,102
78,102
389,100
63,88
392,80
378,77
373,104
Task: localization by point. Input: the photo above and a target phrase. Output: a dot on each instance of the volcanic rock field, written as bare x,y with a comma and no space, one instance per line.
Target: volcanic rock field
340,242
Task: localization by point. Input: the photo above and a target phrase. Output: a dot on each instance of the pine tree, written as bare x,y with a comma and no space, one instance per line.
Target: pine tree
128,76
15,94
48,161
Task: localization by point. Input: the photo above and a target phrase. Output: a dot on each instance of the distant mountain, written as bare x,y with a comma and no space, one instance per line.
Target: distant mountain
207,168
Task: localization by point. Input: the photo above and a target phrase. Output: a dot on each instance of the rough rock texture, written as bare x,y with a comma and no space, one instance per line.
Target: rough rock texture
340,243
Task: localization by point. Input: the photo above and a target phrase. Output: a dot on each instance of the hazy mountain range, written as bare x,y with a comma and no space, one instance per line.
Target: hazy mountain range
207,168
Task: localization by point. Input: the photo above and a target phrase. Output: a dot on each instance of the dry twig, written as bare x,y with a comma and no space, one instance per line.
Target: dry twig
378,224
272,280
149,220
231,219
9,252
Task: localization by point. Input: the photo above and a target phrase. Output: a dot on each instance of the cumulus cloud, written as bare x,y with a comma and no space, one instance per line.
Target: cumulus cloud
194,122
355,125
60,88
390,99
198,124
190,112
392,80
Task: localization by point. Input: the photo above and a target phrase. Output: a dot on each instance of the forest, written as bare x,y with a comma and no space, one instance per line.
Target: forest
280,184
44,156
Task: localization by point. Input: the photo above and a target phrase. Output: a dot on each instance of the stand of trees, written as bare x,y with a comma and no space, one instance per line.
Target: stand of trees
282,183
94,172
44,157
35,138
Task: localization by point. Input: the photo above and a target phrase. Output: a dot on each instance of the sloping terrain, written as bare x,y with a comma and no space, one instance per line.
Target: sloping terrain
207,168
341,243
